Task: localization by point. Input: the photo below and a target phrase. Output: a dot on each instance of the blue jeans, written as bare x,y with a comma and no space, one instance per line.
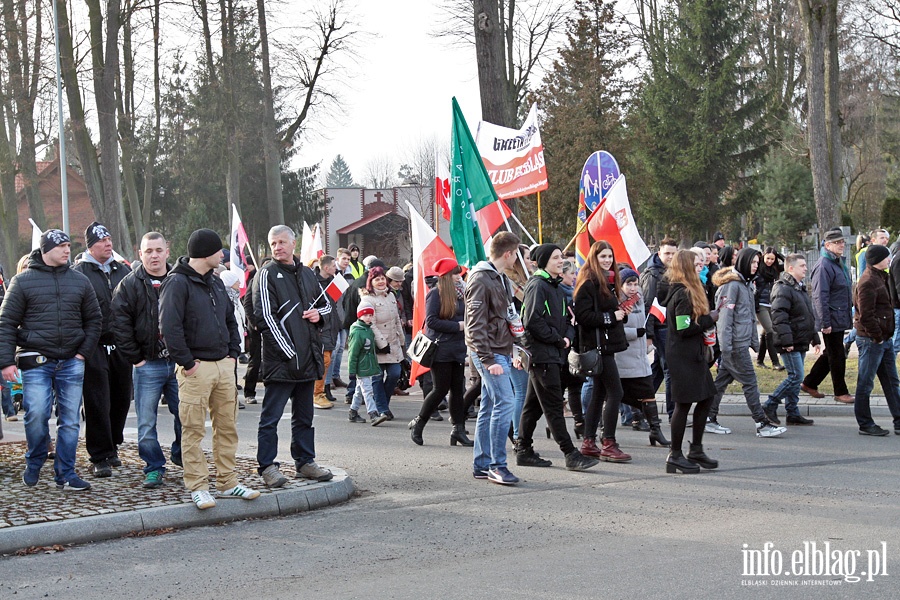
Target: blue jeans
896,339
876,359
65,378
519,380
789,389
365,394
303,434
8,408
152,379
494,414
334,371
587,390
385,385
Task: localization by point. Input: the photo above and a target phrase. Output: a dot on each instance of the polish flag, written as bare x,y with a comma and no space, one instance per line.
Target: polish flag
317,251
658,311
442,185
427,248
616,225
239,240
306,245
36,234
491,218
337,287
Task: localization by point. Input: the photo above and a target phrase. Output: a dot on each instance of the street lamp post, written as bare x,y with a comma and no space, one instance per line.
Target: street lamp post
63,164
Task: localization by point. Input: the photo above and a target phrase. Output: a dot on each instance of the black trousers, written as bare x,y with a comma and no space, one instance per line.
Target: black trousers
446,377
833,360
544,396
254,349
107,398
606,397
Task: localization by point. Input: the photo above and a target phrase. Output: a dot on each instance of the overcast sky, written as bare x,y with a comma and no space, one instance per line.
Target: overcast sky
400,90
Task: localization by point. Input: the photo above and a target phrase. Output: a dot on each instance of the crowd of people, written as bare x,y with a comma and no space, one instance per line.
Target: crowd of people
537,334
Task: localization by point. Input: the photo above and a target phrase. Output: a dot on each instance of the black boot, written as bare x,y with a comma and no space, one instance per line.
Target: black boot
656,434
328,393
638,422
677,462
416,427
458,436
698,456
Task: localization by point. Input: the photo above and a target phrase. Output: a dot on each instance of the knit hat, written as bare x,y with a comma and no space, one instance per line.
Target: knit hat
94,233
229,278
395,273
718,236
52,238
628,273
204,243
445,265
834,235
365,308
875,254
541,254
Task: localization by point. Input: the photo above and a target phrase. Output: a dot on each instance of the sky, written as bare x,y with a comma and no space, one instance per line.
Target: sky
399,91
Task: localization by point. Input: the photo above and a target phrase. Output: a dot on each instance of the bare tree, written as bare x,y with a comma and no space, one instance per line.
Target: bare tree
418,170
9,211
380,172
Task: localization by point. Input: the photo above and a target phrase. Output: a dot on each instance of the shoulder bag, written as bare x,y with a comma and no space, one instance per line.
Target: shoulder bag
422,349
588,363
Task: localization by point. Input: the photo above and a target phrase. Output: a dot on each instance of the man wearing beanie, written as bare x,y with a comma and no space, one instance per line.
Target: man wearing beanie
107,374
197,321
548,336
288,308
831,285
874,323
50,321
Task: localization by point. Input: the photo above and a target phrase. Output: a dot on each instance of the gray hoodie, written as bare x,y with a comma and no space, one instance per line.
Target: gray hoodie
736,328
633,362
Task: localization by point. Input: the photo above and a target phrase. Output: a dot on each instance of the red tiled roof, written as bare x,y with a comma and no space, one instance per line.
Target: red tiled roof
364,221
42,165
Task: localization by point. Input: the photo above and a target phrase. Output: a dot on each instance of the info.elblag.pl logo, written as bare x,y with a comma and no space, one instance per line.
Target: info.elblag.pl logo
831,565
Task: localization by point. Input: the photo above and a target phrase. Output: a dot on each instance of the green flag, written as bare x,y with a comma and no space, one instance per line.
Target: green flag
470,190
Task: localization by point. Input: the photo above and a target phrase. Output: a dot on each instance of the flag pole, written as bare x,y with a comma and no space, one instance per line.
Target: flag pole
513,215
540,224
249,245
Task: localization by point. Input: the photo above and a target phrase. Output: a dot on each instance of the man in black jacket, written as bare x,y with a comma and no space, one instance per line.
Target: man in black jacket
288,310
548,336
107,374
50,321
650,280
135,324
197,322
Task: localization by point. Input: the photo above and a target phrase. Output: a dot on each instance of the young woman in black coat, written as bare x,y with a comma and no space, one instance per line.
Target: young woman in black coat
687,318
770,268
445,312
598,316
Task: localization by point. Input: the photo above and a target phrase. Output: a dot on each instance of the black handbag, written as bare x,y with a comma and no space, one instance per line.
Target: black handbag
588,363
422,349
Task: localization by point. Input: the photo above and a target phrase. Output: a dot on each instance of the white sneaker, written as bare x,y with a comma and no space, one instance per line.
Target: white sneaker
714,427
239,491
203,499
769,430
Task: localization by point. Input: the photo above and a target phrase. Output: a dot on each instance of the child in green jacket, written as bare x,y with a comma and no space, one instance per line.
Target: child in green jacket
364,364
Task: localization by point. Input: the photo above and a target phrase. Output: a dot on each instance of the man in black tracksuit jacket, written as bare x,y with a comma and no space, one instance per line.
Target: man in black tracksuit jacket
135,324
548,336
107,374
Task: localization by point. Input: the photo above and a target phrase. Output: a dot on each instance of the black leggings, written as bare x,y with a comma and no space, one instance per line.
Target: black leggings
679,422
446,377
606,397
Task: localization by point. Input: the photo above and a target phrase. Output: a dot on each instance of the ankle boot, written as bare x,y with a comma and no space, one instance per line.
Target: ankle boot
579,429
458,436
589,447
677,462
610,451
328,393
656,434
698,456
416,426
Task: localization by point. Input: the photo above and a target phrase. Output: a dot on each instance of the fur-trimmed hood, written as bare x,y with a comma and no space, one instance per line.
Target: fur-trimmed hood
726,275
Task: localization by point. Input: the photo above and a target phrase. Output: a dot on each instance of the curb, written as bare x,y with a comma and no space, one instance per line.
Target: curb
274,503
738,407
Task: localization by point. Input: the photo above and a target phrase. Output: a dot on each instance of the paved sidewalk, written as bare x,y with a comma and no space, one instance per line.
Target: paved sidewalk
119,505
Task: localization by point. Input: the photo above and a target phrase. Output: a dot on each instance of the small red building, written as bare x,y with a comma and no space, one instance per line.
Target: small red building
81,214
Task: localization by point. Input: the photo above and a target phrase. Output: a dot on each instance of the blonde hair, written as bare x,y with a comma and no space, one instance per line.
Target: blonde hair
681,270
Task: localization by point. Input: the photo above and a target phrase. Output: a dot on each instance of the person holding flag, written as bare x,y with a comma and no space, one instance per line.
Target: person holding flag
445,312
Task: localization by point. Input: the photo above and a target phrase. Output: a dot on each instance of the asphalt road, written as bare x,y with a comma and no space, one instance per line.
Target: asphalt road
423,528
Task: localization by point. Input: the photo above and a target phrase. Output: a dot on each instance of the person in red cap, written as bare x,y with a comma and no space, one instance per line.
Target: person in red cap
363,363
445,313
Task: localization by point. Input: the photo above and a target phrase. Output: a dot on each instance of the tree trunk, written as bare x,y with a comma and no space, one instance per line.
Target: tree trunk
233,142
269,134
84,147
490,53
23,83
9,210
822,125
126,125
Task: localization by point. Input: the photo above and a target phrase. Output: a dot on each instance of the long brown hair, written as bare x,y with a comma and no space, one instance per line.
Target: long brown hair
447,291
593,272
681,270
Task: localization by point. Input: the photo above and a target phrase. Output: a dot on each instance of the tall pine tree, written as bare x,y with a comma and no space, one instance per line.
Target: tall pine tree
339,174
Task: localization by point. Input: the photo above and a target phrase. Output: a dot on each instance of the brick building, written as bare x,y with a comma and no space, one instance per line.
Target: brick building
81,214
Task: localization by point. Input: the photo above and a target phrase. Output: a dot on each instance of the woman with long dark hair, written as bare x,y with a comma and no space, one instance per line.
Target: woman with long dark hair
597,313
445,312
688,320
770,268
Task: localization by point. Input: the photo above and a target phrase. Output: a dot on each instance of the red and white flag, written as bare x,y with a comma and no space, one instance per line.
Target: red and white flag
239,240
337,287
491,218
614,223
427,248
442,185
658,311
317,251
